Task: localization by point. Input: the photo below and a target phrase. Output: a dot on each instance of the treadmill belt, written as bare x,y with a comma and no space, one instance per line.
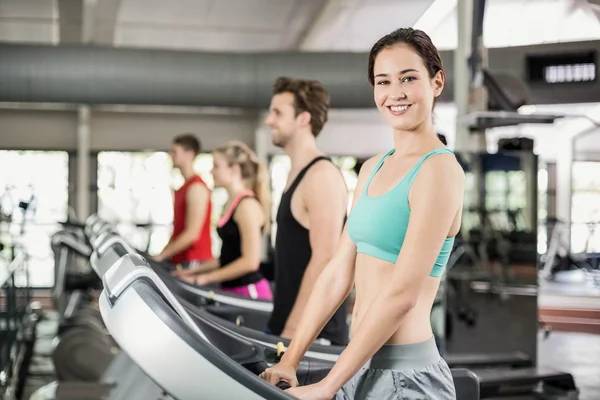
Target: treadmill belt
525,376
83,391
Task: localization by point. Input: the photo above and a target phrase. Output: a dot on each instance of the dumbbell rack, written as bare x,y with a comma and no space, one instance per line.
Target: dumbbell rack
18,322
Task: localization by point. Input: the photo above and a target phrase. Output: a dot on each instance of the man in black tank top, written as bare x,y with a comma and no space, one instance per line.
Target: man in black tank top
312,210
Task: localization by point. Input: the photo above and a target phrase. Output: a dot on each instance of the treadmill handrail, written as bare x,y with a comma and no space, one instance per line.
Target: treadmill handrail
96,225
100,251
111,241
133,267
105,228
212,294
67,239
251,304
89,223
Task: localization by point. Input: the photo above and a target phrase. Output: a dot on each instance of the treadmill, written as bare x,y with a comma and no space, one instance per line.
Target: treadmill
494,379
229,310
253,313
122,380
495,376
205,314
142,314
70,276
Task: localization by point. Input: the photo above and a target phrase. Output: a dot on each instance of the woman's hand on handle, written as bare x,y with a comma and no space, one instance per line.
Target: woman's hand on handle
317,391
280,372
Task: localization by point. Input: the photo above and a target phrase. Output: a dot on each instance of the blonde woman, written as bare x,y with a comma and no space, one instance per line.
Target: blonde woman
246,216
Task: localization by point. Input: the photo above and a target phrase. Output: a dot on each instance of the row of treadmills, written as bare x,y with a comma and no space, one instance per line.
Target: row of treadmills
183,341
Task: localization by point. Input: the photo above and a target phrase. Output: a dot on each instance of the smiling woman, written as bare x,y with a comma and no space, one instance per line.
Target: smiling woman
406,211
410,58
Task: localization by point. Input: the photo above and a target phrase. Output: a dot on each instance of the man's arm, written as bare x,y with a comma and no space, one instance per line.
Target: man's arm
325,197
197,198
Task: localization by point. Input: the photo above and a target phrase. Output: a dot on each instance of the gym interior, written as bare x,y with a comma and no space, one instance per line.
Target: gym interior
92,93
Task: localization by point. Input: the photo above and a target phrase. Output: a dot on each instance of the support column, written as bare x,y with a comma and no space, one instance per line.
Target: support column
529,161
262,147
461,77
83,162
478,99
564,178
470,59
262,138
551,208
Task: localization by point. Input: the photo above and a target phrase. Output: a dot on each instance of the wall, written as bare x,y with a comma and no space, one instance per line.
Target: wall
134,131
363,133
57,130
39,130
360,133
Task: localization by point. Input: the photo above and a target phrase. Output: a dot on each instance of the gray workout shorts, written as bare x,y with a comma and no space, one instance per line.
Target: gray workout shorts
407,372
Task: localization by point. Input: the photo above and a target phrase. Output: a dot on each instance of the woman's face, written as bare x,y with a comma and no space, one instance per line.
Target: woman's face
403,91
222,172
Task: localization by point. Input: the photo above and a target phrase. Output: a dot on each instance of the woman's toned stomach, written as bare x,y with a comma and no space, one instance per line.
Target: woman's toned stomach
371,276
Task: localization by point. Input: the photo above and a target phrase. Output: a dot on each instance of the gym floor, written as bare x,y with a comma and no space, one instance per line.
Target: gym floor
577,353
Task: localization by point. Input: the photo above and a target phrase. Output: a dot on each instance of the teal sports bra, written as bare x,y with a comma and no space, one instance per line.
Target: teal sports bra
377,225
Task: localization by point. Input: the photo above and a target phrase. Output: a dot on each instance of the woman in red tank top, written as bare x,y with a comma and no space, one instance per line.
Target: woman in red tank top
245,217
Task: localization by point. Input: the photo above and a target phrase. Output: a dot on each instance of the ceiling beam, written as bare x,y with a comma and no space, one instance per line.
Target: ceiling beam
88,21
595,7
106,21
329,20
71,24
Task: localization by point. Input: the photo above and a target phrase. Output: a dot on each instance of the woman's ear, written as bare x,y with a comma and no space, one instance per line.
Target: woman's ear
438,82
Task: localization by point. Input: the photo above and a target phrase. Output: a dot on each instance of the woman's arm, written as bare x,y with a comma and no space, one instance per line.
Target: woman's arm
330,290
436,198
198,269
249,217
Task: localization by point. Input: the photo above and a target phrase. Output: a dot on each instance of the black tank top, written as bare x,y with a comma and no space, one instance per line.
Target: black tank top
292,254
231,248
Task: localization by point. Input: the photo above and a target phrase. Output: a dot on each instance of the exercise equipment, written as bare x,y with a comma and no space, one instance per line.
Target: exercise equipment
139,309
83,349
122,380
227,310
117,250
71,263
561,264
253,313
87,362
19,315
82,354
511,376
494,282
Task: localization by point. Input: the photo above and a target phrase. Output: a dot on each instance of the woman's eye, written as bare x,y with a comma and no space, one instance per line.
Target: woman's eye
382,82
408,79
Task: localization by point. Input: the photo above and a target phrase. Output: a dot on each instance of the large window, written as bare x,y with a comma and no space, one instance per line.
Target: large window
585,207
280,167
137,189
506,193
39,178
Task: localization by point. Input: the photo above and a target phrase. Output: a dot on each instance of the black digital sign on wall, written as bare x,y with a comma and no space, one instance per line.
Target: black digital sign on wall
562,68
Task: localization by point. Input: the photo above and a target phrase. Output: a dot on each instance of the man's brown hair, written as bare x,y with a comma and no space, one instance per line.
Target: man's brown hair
188,142
310,96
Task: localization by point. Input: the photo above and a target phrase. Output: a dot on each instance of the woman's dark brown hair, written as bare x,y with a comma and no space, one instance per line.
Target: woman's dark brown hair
417,40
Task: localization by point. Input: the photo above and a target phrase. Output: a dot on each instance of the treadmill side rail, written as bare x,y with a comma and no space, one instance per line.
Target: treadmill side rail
132,267
495,381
